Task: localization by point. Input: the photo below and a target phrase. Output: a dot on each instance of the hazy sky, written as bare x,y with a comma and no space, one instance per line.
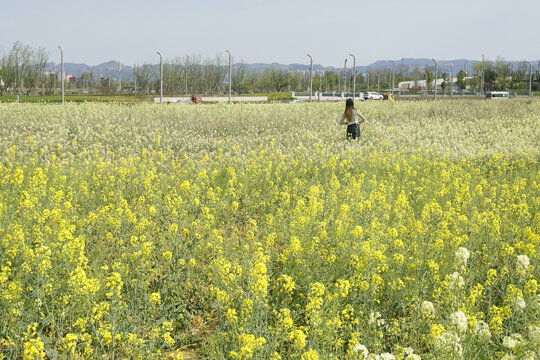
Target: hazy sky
282,31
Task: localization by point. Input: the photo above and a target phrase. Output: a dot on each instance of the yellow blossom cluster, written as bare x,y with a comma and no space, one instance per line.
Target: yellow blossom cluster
257,232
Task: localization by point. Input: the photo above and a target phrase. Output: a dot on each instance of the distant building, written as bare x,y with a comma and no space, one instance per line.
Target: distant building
67,76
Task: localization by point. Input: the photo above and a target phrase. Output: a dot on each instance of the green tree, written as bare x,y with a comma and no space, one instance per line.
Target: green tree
278,79
294,81
429,74
460,82
444,76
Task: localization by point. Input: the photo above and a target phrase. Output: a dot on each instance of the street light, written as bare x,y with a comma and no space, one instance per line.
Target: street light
378,82
345,77
160,78
436,69
354,76
452,81
530,78
62,61
120,75
186,72
393,72
367,76
134,79
230,80
310,76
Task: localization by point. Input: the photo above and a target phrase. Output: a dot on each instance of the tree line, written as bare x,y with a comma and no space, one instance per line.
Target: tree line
22,71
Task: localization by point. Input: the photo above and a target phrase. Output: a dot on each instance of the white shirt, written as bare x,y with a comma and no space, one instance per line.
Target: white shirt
355,115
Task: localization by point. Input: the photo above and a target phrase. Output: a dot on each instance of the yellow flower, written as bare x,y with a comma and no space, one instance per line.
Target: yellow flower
154,298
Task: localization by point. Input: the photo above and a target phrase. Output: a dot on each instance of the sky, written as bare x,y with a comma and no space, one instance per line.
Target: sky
281,31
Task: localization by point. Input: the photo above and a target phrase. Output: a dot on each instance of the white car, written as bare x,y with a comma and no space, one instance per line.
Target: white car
372,95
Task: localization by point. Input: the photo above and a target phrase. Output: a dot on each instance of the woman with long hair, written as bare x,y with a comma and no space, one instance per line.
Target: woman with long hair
350,117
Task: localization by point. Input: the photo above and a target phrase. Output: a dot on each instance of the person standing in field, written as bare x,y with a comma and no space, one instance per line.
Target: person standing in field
350,118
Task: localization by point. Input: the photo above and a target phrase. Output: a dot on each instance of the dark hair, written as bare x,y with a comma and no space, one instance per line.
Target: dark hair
349,106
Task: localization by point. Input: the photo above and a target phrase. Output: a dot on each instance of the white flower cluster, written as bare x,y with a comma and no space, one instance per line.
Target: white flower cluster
520,303
427,308
448,343
462,256
375,318
534,334
481,330
512,341
362,349
522,263
456,281
459,319
410,355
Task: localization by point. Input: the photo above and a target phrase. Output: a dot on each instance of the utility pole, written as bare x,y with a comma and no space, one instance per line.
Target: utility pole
230,79
345,77
120,75
482,81
452,81
378,79
186,73
62,61
465,78
54,80
354,76
310,76
367,76
160,78
530,78
134,79
436,70
393,73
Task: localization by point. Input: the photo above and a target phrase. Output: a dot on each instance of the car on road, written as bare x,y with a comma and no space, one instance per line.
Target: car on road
372,95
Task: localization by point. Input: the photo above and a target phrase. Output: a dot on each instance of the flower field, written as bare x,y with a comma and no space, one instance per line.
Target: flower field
258,232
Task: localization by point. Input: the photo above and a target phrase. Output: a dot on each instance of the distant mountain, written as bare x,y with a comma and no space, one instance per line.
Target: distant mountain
111,67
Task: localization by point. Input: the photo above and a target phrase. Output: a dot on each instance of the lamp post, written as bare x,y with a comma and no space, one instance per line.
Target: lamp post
354,76
134,79
345,77
452,81
367,76
120,75
230,79
378,83
310,76
186,72
530,78
393,73
160,78
62,71
54,80
436,69
92,79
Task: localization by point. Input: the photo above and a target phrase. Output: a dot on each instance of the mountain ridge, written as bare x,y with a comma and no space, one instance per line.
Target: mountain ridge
111,67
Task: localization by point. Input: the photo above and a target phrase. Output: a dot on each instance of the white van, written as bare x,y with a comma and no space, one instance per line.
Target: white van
497,95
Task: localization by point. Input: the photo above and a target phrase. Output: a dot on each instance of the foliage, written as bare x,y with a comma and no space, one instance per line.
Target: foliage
68,98
258,232
22,68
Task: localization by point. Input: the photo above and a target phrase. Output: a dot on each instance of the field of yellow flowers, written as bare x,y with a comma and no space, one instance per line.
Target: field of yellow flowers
258,232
